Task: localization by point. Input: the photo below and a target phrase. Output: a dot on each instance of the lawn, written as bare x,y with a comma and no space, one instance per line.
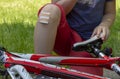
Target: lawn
18,19
17,22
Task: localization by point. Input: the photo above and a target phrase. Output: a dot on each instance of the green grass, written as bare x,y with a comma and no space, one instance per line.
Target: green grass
17,22
18,19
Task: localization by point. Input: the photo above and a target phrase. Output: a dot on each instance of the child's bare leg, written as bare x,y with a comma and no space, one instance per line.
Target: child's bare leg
46,29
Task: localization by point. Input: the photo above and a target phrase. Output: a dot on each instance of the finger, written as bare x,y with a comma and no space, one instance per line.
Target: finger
104,32
107,35
99,31
94,33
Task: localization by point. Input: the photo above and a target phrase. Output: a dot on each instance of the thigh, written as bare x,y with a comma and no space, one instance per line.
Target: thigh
65,36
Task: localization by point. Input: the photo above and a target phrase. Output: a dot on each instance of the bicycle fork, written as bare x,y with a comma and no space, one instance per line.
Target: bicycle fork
113,66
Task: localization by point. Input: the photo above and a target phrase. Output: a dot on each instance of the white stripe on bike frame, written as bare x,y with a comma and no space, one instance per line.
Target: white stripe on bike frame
25,60
25,56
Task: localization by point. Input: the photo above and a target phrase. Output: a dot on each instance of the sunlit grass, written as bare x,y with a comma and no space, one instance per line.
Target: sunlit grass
17,22
118,4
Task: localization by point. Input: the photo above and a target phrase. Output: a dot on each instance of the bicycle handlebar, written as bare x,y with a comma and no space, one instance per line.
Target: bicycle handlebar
88,45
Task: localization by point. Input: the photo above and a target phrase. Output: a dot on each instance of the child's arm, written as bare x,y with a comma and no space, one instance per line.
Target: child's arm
107,21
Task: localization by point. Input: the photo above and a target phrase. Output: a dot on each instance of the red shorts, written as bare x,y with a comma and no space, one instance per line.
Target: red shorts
65,39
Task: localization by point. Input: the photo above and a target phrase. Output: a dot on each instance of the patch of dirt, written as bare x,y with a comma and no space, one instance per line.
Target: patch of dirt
111,74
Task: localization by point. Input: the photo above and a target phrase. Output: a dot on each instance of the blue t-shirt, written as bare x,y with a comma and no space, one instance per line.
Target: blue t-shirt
85,16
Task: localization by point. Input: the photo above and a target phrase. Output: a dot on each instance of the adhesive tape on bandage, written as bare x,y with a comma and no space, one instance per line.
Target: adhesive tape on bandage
44,17
47,13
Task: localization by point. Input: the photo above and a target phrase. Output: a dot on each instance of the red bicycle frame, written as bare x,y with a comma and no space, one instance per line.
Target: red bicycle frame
78,61
47,69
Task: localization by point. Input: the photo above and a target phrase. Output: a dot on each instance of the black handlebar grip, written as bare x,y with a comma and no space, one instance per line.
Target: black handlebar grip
75,48
79,48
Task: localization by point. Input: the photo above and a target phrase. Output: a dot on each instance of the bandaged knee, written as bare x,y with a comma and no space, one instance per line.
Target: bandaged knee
44,17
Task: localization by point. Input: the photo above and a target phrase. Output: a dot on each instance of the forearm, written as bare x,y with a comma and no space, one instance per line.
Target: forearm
108,20
66,4
109,14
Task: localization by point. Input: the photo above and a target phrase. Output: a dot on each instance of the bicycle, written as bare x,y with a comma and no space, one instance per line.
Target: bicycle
21,66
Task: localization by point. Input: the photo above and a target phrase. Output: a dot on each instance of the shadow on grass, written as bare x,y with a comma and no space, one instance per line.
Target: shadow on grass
17,37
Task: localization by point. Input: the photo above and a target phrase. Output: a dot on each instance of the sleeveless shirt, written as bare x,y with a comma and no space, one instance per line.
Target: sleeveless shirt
85,16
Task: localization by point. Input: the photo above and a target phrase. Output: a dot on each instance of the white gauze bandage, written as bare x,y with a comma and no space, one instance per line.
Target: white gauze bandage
44,17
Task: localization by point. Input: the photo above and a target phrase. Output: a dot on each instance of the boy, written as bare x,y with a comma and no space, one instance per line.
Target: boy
64,22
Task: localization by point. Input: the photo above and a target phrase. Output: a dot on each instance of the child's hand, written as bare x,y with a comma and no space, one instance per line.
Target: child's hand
102,31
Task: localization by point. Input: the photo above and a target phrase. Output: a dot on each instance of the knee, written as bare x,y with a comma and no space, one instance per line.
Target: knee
49,14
